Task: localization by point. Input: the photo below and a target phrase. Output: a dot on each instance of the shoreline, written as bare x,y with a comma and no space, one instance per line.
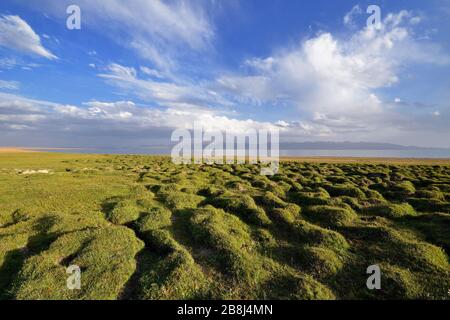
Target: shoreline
310,159
31,149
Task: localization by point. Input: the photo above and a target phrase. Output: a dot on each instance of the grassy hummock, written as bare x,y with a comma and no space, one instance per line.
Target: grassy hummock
141,227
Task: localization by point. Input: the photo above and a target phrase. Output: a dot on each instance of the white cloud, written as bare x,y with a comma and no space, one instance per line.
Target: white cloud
334,81
16,34
415,20
7,63
348,18
104,123
114,117
151,72
159,31
248,89
9,85
282,123
30,66
121,72
163,93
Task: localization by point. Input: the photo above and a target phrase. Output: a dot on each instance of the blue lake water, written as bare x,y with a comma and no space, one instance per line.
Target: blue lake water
425,153
431,153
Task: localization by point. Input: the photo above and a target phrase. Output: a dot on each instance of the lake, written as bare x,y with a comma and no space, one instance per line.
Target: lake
419,153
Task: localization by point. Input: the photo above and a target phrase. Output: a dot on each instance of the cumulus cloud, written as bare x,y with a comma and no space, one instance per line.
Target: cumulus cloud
112,118
256,89
334,81
99,123
16,34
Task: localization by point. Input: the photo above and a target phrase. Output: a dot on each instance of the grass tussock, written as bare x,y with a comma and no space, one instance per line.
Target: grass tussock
231,238
330,216
391,210
106,257
140,227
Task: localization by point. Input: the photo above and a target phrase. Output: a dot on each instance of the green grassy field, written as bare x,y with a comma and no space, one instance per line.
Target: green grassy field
141,227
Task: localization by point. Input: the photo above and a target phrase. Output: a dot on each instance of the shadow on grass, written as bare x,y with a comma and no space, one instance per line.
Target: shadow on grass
13,262
14,259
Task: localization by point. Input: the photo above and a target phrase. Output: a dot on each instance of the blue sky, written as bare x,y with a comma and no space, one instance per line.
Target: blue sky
139,69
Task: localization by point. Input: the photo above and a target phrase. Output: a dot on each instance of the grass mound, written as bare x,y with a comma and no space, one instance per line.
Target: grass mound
231,238
391,210
155,218
178,200
434,227
400,282
430,194
302,287
404,187
176,277
304,198
172,272
125,212
286,215
105,256
345,190
142,227
429,205
272,201
243,206
320,262
373,195
330,216
315,235
424,256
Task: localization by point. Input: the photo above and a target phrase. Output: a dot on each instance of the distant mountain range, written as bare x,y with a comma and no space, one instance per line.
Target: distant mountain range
325,145
310,145
328,145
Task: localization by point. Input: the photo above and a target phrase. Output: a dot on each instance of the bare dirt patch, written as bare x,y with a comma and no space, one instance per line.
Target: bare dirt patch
14,150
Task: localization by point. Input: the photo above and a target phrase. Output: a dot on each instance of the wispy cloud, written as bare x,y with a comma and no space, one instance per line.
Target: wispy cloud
9,85
163,93
348,18
159,31
16,34
7,63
